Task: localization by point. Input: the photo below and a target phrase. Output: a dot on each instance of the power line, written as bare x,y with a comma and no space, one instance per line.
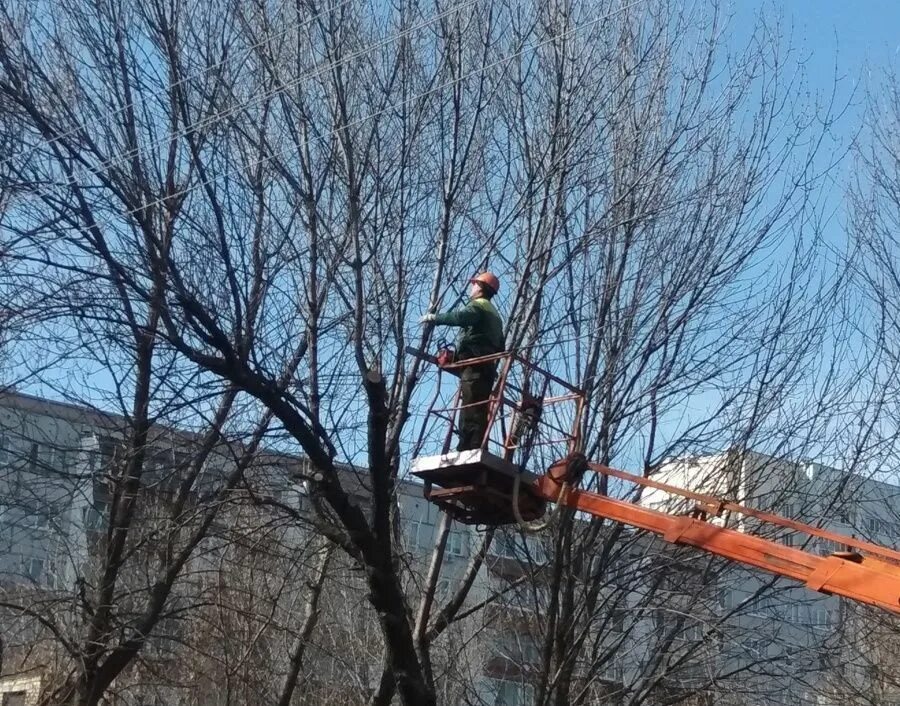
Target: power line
210,120
359,121
199,74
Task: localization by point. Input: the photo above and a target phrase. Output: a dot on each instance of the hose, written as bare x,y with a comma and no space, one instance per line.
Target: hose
537,525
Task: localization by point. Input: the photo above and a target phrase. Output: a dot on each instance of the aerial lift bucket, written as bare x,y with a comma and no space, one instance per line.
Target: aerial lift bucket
479,486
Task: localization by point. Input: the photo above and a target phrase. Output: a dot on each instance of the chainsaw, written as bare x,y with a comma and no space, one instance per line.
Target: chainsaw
446,355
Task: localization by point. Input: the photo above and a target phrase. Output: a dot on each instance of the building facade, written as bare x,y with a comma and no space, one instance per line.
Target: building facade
662,621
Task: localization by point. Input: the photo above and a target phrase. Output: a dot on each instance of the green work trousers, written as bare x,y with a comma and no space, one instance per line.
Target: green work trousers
475,385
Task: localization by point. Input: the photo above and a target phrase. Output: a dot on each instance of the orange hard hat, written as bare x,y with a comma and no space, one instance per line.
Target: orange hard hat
488,279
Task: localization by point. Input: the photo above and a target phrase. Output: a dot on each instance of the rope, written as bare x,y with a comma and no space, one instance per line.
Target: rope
537,525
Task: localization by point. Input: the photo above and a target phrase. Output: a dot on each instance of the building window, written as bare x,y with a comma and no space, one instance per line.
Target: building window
791,511
795,539
510,693
37,520
726,599
756,647
107,453
304,504
517,647
507,545
690,633
34,569
420,535
846,514
504,546
181,460
873,526
457,544
34,457
821,617
758,606
96,516
826,547
617,621
614,670
444,588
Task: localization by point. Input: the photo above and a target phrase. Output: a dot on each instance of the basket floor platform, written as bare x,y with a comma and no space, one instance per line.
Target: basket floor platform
476,487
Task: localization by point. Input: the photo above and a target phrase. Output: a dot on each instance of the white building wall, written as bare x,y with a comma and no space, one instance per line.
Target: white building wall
57,472
22,690
789,620
43,485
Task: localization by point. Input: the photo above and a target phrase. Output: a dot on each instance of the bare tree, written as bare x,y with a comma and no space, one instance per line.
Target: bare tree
237,210
868,674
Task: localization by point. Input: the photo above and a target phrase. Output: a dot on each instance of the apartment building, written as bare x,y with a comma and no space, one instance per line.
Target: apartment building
44,485
783,640
819,636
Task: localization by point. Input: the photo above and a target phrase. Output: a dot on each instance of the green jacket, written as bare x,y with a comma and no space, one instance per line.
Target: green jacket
482,329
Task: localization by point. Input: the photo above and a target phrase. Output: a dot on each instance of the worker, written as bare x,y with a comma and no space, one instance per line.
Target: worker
481,335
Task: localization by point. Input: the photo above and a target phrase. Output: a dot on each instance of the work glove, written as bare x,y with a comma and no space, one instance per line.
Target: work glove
427,319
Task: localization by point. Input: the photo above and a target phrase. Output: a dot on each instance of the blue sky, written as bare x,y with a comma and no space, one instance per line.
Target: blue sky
853,31
851,39
853,42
